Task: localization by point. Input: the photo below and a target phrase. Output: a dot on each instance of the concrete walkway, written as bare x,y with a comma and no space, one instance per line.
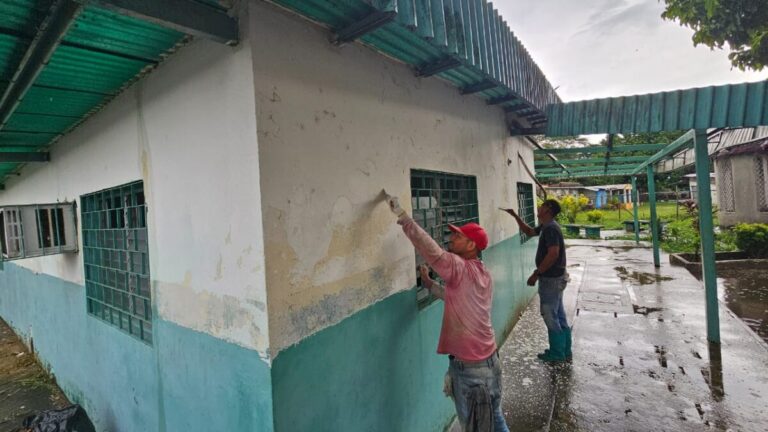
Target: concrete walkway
641,358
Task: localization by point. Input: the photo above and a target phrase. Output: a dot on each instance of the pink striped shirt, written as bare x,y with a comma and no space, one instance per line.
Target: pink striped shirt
467,332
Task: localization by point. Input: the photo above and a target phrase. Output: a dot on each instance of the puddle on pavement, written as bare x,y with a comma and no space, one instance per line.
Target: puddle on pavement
645,310
643,278
745,292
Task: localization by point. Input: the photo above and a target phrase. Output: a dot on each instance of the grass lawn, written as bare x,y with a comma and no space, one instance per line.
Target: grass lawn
612,219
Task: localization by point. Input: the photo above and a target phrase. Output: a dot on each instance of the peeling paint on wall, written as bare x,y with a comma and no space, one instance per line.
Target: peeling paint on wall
213,314
335,126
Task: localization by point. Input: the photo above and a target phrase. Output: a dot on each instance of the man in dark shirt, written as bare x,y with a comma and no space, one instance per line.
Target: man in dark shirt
551,275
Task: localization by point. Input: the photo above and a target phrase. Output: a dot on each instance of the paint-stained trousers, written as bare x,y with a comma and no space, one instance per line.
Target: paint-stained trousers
551,306
463,378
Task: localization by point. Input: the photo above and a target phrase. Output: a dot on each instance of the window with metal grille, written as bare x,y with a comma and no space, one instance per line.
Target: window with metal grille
761,182
526,207
116,256
727,196
34,230
438,199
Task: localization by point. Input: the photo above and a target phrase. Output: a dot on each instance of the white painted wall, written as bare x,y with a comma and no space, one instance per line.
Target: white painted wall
335,126
188,130
745,191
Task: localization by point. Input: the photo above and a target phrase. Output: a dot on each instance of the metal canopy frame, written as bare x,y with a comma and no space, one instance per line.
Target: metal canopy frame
62,60
730,106
464,42
184,16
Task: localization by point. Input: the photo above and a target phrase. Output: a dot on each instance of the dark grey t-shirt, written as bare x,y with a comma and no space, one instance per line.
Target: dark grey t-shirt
550,235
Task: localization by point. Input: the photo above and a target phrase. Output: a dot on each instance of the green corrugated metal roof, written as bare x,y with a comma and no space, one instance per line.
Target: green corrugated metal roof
735,105
103,51
425,32
99,55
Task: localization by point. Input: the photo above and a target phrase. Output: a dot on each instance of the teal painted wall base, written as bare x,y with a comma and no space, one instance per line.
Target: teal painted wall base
378,370
186,381
375,371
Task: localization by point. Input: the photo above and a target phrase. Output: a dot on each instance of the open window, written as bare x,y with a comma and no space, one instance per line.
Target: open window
35,230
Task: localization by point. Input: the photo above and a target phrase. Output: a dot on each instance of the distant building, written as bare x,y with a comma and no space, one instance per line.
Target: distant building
693,187
741,172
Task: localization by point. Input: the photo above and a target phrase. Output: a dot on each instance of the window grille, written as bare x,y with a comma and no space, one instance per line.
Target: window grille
727,198
438,199
526,207
34,230
116,257
761,182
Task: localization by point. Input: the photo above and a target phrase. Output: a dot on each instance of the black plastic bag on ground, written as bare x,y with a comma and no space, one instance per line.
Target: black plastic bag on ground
70,419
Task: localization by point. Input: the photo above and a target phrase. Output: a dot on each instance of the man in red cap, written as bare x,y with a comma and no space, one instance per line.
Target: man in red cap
474,372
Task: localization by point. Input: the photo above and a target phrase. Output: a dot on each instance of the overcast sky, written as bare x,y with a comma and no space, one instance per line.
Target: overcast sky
599,48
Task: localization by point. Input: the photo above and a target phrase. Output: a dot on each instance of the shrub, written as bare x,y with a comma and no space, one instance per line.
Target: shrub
571,206
681,237
594,216
752,239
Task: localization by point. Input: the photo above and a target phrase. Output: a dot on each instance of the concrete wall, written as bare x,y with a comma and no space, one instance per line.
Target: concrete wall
745,191
188,131
336,125
351,351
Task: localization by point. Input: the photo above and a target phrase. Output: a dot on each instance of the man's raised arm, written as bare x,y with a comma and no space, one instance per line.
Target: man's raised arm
529,231
444,263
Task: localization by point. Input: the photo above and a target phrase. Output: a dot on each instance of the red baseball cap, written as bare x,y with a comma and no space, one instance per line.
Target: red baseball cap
474,232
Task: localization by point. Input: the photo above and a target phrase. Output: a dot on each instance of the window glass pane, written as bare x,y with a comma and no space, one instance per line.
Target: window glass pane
116,257
438,199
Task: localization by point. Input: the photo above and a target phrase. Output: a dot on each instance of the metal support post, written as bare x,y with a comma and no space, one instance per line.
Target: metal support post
707,235
655,229
634,209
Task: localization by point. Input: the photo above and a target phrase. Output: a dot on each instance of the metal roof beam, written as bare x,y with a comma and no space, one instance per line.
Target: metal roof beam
20,157
589,161
186,16
685,141
502,99
599,173
363,26
602,149
442,65
52,30
476,88
588,168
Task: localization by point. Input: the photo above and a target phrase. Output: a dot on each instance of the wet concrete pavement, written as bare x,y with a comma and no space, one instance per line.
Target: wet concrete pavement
641,358
25,388
745,291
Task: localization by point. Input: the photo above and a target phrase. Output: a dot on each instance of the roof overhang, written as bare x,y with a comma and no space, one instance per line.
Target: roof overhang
62,60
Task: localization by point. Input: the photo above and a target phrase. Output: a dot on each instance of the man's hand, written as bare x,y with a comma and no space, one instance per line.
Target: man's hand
426,281
532,280
394,205
510,211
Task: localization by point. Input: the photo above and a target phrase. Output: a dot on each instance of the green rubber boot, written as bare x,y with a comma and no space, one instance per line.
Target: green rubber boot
568,341
556,351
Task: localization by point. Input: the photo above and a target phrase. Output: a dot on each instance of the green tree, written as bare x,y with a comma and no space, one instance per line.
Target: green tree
742,24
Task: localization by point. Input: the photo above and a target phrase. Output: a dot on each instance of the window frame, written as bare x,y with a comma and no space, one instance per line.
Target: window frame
116,259
24,236
725,187
528,215
761,169
439,188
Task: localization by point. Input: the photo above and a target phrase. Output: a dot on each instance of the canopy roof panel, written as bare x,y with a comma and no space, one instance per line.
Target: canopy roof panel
62,60
465,42
734,105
